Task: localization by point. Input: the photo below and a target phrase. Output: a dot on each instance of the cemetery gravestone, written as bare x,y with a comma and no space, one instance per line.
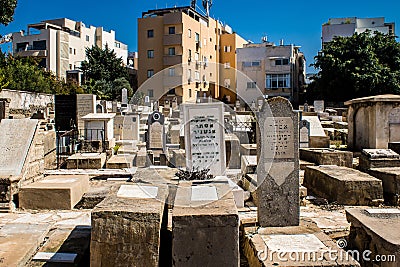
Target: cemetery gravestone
204,137
304,134
278,164
85,104
156,131
319,105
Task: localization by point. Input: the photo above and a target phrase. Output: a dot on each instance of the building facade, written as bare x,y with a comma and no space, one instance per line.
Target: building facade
184,48
346,27
61,44
273,70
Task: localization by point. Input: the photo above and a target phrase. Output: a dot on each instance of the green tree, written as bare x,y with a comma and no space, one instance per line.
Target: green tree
7,8
117,86
361,65
26,75
103,64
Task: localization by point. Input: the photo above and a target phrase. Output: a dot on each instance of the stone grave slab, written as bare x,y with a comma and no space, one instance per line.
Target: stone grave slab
15,140
232,148
120,161
248,164
86,161
278,164
54,192
377,232
378,158
318,139
326,156
390,178
178,158
136,191
126,230
343,185
205,233
248,149
55,257
19,241
204,137
304,245
237,191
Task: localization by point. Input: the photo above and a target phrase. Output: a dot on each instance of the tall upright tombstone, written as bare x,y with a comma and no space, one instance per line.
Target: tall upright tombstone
278,164
204,136
85,104
319,105
156,131
304,131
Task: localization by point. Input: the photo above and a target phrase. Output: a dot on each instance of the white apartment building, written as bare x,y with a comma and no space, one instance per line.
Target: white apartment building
346,27
61,44
274,70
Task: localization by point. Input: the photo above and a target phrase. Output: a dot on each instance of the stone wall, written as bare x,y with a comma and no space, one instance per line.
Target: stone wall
22,102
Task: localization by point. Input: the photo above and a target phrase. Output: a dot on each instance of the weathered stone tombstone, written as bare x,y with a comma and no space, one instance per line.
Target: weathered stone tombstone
305,107
124,97
99,108
85,104
204,137
278,164
319,105
394,125
304,134
4,108
156,131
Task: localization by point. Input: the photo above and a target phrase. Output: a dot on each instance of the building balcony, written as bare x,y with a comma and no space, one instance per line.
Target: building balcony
172,60
172,81
173,39
31,53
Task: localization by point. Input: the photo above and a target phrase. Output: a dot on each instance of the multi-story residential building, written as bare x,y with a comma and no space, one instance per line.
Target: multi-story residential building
274,70
346,27
187,47
61,44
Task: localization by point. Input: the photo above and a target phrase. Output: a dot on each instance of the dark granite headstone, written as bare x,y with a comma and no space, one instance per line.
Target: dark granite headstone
278,164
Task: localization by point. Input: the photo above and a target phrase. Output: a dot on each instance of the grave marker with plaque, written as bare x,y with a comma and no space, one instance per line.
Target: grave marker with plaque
278,164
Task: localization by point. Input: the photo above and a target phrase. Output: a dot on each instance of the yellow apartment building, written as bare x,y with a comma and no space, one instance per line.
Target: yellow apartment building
183,48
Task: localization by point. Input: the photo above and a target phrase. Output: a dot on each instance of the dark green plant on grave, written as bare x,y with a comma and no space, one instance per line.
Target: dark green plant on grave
194,174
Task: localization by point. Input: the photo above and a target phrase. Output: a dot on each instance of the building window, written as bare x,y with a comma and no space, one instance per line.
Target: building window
205,41
74,51
197,37
227,65
150,73
281,61
150,53
70,50
190,55
190,33
171,51
196,56
150,33
171,30
189,74
87,38
227,49
278,81
197,76
190,93
117,45
171,91
150,93
251,85
39,45
252,64
70,66
171,72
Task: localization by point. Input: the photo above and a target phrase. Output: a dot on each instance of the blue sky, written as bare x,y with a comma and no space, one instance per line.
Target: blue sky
296,22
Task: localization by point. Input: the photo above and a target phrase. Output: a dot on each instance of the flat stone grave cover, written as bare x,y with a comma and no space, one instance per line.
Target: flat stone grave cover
380,153
15,140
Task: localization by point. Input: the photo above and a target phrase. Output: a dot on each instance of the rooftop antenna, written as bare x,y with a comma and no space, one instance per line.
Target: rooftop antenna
207,4
193,4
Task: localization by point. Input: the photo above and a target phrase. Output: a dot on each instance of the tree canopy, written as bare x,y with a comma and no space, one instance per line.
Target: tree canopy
104,73
26,75
7,8
361,65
